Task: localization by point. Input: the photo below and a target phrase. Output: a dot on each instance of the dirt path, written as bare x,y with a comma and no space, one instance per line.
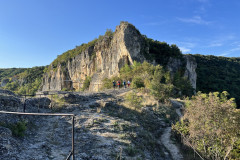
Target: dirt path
166,140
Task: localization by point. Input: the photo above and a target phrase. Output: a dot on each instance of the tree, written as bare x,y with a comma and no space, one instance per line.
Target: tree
212,124
161,91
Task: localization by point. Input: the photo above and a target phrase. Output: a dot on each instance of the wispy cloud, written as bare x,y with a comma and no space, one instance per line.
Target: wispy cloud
195,20
186,47
221,40
230,51
215,44
223,54
236,43
185,50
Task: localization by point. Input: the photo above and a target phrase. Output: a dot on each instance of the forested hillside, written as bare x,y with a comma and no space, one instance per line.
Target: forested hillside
218,74
10,72
22,80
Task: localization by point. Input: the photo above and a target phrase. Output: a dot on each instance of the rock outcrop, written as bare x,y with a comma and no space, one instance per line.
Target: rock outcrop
190,71
104,59
188,64
9,101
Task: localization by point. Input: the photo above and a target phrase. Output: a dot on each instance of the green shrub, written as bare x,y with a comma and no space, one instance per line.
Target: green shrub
235,153
161,91
64,89
134,100
18,129
86,83
211,123
138,82
182,84
131,150
108,83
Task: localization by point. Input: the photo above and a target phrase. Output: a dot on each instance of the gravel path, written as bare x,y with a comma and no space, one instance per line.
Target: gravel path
166,140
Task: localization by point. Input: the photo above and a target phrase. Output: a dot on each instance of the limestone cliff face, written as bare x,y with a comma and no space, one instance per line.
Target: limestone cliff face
102,60
190,71
188,63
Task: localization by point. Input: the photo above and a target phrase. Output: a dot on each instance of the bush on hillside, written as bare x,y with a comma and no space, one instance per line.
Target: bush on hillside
211,123
137,82
134,100
86,83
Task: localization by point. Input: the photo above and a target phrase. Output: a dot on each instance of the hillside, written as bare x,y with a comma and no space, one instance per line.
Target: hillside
106,127
135,122
218,74
105,56
10,73
22,80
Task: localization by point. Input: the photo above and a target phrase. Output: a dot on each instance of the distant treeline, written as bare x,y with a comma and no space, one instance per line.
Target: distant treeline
218,74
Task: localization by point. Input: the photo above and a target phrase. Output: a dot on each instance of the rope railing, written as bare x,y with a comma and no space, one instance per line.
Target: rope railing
189,144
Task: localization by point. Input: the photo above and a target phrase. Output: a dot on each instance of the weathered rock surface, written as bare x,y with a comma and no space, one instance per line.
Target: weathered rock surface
9,147
105,59
104,130
189,65
190,72
9,101
33,104
6,92
4,82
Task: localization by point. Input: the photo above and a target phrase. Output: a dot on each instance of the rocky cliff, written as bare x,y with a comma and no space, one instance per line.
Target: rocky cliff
105,58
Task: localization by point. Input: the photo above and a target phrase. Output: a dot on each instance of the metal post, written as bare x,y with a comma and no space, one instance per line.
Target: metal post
51,101
24,106
39,102
72,137
64,99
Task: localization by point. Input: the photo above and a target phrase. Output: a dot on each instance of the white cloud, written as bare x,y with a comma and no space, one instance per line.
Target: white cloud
215,44
187,44
185,50
195,20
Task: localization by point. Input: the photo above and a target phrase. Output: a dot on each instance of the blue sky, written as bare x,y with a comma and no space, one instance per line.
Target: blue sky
34,32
